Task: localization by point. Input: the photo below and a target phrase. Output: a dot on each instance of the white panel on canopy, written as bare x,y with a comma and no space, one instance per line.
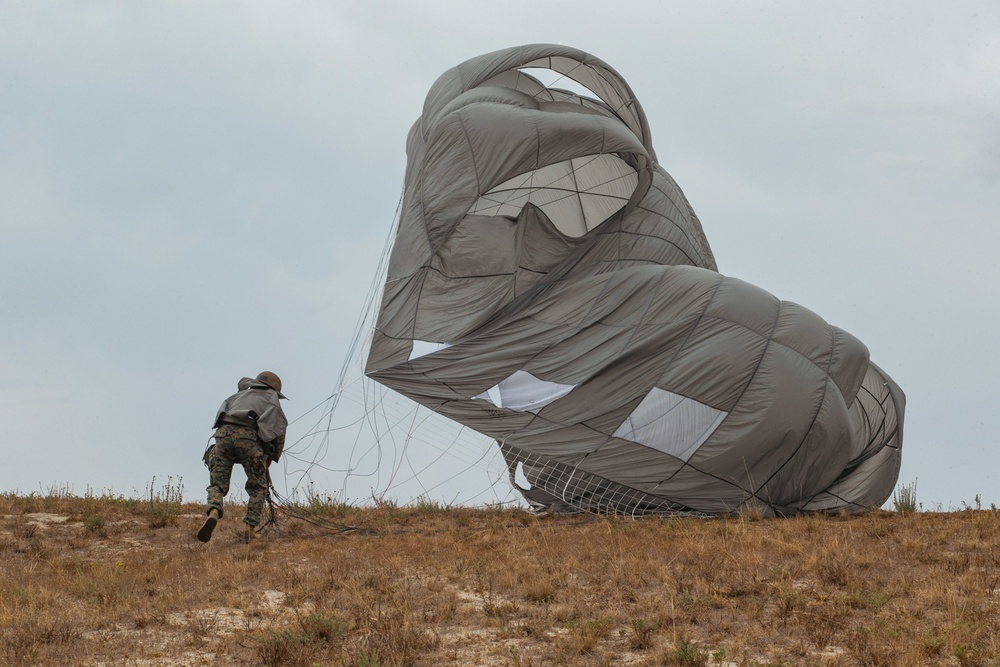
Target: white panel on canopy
422,348
523,392
670,423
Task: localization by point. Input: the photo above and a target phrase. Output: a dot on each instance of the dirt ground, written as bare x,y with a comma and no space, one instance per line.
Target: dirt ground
112,583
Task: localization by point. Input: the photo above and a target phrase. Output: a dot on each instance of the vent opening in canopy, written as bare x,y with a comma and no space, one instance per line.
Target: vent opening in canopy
577,195
553,79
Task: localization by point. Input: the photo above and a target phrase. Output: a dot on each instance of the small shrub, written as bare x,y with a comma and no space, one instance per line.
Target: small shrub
492,604
833,569
23,639
586,634
441,607
686,654
320,504
369,659
500,609
56,498
904,499
106,585
283,647
94,524
322,628
425,505
821,629
862,599
390,638
387,504
869,647
933,644
163,507
540,590
642,635
968,657
751,511
24,530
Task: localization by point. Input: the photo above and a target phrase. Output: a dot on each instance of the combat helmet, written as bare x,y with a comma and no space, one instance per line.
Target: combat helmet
272,381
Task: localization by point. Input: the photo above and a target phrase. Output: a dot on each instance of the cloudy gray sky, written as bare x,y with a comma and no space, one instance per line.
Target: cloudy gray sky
191,192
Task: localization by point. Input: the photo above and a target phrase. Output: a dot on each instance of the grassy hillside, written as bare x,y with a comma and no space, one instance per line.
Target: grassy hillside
115,581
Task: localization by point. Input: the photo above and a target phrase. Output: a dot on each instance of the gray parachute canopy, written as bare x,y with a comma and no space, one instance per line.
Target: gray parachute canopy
551,287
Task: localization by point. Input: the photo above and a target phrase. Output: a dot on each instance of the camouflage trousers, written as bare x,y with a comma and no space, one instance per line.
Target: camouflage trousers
237,444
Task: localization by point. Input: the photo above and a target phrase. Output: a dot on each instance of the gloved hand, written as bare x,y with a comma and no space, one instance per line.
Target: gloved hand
277,447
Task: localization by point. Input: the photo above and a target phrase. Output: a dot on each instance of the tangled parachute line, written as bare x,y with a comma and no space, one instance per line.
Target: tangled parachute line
368,444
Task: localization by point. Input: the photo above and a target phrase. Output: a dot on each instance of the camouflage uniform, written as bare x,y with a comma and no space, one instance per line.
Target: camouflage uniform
250,430
238,444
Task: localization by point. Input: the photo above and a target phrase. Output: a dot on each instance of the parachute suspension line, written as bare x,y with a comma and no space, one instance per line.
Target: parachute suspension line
511,498
376,418
434,431
416,475
362,329
406,442
290,508
365,327
443,451
459,474
361,337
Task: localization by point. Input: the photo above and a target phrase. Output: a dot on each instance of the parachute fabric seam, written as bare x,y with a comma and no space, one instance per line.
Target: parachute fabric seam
627,232
685,234
691,329
472,154
749,381
865,454
538,147
699,332
819,406
778,343
638,234
881,404
435,249
645,311
579,326
802,441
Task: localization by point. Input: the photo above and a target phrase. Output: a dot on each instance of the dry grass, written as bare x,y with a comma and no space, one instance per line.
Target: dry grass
113,581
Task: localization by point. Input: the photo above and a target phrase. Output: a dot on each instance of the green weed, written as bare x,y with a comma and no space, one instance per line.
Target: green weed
642,635
904,499
163,506
687,654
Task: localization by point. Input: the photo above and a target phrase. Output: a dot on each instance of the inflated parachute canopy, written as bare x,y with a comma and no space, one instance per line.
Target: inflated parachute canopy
551,287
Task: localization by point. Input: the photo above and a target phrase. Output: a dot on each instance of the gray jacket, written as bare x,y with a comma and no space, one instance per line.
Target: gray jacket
255,404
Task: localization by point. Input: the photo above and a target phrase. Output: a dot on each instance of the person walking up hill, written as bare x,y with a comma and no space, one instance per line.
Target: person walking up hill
249,430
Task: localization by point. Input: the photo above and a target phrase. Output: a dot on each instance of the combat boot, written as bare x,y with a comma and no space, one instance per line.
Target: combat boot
249,534
205,534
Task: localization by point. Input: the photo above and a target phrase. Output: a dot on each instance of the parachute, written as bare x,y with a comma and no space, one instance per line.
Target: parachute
551,287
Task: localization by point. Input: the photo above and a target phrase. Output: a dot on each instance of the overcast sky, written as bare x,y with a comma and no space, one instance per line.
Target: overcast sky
191,192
